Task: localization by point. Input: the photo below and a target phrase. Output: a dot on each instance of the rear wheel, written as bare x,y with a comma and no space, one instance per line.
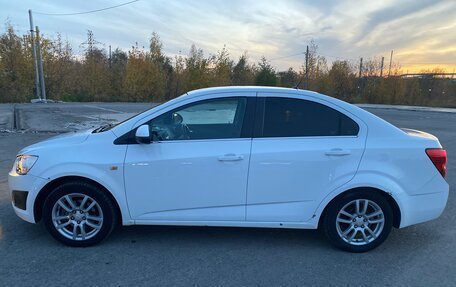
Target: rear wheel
79,214
358,221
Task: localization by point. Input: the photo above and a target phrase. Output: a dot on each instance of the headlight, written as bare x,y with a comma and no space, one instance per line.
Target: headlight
24,163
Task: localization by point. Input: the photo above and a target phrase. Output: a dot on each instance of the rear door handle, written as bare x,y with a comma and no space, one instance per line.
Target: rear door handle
337,152
230,157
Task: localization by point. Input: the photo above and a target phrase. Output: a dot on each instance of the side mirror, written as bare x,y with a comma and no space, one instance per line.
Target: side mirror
142,135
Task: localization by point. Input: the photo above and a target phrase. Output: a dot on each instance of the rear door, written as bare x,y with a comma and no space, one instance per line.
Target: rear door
303,149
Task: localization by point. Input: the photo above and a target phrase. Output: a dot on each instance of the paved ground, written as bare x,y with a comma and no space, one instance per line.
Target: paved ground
62,117
422,255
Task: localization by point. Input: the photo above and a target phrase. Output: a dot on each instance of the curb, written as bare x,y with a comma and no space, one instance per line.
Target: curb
408,108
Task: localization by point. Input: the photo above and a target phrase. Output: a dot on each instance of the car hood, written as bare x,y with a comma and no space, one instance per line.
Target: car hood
70,138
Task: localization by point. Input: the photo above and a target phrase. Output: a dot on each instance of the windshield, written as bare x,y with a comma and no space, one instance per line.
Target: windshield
109,126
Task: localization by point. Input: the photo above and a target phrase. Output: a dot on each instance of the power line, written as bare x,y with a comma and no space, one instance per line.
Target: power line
428,63
338,58
289,56
86,12
303,53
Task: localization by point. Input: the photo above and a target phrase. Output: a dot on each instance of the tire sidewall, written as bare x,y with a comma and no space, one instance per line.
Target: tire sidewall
86,189
329,222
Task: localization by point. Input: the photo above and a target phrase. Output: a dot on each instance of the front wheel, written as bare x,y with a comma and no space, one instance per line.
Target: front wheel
358,221
79,214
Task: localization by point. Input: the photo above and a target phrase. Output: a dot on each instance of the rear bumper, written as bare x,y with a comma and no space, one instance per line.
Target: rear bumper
422,207
30,185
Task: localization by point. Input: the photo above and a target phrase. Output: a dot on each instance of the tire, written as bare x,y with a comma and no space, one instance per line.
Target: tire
79,214
349,226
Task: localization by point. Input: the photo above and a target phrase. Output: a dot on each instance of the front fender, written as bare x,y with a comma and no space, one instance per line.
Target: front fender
109,176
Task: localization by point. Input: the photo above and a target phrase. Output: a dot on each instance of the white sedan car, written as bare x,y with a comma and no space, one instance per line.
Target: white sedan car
236,156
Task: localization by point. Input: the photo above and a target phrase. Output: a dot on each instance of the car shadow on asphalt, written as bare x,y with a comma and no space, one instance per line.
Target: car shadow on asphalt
220,235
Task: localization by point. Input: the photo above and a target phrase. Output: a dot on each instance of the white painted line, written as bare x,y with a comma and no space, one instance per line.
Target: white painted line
105,109
91,117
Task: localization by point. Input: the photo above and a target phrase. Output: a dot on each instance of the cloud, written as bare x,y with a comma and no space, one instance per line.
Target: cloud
419,31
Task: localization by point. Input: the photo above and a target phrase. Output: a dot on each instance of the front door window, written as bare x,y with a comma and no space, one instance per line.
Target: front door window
210,119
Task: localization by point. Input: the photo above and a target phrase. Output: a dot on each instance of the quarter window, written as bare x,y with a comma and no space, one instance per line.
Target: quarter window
287,117
210,119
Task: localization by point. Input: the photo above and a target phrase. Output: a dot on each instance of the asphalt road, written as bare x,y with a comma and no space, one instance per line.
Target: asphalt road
421,255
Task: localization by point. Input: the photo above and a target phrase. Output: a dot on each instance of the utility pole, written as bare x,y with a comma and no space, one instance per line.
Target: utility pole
391,61
307,67
381,67
359,76
40,64
360,67
109,56
37,88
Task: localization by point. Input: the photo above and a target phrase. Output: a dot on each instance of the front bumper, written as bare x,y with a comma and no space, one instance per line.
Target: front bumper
31,185
426,205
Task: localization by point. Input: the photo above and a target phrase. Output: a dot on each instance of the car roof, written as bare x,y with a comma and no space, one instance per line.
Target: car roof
268,92
246,89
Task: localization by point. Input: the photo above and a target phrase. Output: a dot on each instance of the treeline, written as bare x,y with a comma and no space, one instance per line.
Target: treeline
147,74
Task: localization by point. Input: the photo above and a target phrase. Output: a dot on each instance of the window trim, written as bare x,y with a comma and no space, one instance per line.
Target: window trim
260,113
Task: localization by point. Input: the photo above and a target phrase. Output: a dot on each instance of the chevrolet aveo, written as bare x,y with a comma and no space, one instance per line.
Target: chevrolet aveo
236,156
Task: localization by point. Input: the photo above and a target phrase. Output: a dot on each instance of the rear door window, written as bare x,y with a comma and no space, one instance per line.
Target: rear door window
289,117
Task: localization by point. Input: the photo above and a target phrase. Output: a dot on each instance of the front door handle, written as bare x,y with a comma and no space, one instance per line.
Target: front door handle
230,157
337,152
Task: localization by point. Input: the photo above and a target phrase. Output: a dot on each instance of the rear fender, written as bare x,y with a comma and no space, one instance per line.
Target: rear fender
379,181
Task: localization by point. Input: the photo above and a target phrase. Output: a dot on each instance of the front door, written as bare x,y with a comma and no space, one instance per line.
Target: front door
196,167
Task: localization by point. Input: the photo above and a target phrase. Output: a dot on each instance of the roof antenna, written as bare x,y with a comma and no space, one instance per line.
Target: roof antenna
299,83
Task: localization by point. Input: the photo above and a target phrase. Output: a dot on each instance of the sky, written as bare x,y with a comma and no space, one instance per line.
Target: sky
422,33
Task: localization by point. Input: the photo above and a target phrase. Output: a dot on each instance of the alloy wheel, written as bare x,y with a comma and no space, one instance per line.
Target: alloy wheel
360,222
77,216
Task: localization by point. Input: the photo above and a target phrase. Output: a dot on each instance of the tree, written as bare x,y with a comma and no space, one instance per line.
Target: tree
222,68
95,78
162,68
16,78
139,82
118,68
60,70
196,74
289,78
243,73
341,80
178,76
266,75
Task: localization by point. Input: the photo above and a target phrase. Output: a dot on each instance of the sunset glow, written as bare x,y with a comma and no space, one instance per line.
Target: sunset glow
421,33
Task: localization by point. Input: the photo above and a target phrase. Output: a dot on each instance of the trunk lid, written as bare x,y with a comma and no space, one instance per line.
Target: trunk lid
419,134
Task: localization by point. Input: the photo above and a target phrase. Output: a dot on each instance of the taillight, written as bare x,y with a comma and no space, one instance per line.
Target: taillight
438,157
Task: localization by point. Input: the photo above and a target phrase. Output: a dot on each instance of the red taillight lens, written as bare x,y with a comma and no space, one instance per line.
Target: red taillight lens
438,157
